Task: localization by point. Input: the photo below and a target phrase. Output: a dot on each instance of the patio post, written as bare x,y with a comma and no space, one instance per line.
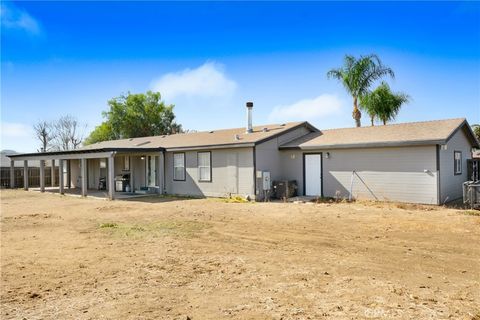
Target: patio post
52,174
42,175
12,174
60,177
111,177
83,167
25,175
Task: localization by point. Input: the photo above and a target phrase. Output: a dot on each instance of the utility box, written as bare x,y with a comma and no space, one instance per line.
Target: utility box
266,182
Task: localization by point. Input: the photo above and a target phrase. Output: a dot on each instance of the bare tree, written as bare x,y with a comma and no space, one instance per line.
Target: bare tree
45,133
68,133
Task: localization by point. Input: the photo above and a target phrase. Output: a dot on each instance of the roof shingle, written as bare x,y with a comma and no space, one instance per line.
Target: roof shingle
223,137
412,133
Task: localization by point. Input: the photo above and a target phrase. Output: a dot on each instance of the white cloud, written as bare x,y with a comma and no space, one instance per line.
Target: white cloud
307,109
15,130
15,18
207,81
17,136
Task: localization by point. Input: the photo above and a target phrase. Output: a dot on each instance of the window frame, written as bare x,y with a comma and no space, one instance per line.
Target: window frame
460,164
210,166
184,166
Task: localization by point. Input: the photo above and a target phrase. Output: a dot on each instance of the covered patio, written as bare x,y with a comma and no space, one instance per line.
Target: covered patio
103,173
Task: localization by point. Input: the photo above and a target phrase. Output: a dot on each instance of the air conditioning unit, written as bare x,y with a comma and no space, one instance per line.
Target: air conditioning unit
284,189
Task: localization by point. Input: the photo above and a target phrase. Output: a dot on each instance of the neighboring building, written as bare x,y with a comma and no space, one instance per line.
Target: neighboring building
423,162
33,170
476,153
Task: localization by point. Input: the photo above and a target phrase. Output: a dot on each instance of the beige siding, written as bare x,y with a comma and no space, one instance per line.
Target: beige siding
232,173
395,174
451,184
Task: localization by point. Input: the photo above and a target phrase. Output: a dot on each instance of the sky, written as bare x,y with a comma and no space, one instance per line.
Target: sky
210,58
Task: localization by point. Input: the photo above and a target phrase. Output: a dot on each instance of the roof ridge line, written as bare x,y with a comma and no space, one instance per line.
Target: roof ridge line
395,124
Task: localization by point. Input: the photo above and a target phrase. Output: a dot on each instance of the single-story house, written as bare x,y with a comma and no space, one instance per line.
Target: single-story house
421,162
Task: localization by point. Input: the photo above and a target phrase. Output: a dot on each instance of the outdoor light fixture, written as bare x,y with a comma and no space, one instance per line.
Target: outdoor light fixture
327,155
142,157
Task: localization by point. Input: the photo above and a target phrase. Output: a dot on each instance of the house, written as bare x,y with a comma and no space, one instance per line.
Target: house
419,162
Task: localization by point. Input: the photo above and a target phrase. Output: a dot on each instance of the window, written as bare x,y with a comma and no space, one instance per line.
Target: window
457,158
204,166
179,166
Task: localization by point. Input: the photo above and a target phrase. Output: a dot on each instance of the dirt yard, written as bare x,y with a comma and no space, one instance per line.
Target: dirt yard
163,258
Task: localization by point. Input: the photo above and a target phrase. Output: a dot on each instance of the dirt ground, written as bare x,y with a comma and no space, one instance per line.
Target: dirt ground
163,258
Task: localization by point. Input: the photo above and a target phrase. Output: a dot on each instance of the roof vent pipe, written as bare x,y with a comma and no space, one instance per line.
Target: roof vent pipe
249,117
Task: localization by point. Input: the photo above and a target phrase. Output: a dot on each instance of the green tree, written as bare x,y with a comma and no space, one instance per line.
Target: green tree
358,75
476,130
136,115
103,132
382,103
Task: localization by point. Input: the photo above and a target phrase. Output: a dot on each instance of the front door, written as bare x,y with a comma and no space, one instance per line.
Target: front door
313,175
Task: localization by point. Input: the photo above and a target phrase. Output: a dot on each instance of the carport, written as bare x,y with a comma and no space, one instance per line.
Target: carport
83,157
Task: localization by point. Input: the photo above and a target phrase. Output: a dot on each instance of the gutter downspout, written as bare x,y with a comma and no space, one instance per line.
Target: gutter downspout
255,173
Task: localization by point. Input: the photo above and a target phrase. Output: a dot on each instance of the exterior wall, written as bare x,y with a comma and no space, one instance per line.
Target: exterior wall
451,184
93,173
269,157
75,173
292,167
232,173
137,172
395,174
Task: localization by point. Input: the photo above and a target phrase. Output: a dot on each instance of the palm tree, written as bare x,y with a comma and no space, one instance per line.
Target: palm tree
357,75
382,103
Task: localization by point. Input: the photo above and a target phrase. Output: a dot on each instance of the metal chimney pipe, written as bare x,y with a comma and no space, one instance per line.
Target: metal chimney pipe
249,117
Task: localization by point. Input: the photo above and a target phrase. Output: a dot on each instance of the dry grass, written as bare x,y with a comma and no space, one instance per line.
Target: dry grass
154,229
169,258
471,212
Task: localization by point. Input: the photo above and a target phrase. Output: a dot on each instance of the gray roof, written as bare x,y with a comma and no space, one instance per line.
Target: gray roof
401,134
218,138
223,138
6,160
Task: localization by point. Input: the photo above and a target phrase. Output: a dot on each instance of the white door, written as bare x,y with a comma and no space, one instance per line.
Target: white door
313,174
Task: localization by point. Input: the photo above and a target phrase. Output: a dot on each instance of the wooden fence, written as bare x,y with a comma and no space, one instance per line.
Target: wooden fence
33,177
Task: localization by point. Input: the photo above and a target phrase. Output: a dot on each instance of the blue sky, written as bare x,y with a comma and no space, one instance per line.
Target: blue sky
209,58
